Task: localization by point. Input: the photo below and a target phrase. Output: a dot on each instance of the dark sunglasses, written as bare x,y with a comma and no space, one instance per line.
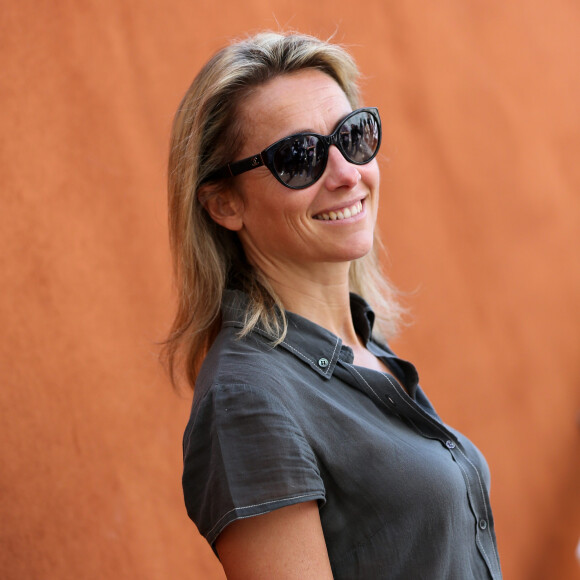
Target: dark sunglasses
299,160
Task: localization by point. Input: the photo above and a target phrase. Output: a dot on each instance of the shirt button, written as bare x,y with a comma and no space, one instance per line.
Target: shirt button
482,524
450,444
323,362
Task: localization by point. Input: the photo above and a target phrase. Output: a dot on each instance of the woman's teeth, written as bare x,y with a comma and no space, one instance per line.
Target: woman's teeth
341,214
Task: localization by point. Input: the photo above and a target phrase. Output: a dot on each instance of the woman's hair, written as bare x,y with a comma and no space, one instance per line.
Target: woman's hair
208,258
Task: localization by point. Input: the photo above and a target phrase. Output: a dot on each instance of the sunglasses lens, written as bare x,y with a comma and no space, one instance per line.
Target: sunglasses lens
299,160
359,137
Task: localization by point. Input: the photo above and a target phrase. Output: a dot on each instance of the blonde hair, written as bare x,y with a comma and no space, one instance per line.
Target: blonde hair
208,258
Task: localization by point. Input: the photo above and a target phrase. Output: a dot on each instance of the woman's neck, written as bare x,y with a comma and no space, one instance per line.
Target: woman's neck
324,302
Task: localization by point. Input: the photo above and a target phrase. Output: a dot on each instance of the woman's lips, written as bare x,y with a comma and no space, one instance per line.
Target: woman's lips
341,214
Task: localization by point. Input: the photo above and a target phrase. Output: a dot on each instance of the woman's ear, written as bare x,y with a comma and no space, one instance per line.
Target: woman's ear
224,206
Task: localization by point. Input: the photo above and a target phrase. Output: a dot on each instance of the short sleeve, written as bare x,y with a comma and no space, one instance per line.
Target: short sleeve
244,455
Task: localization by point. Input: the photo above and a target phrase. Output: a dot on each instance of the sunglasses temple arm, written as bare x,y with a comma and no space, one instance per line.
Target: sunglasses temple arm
245,165
233,169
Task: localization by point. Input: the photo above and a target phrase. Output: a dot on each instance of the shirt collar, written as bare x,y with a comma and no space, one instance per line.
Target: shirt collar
316,346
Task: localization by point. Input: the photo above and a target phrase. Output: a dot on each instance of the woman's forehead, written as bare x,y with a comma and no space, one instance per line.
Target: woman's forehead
308,100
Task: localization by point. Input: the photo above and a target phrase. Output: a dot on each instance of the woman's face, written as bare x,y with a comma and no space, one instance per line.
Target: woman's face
283,229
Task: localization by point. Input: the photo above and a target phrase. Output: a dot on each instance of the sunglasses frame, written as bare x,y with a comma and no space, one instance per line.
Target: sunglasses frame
266,157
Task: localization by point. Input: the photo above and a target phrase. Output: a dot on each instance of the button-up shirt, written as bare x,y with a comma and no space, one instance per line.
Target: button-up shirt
400,493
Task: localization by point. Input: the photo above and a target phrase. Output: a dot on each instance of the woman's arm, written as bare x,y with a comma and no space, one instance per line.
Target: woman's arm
285,544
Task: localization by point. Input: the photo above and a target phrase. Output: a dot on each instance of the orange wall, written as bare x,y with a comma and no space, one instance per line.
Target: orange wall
480,212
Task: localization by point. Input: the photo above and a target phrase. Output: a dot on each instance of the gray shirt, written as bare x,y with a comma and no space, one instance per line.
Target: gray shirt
400,494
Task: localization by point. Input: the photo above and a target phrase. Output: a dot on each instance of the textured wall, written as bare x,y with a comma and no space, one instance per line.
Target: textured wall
480,212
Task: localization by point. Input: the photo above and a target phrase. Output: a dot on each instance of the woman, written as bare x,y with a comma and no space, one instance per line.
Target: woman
311,451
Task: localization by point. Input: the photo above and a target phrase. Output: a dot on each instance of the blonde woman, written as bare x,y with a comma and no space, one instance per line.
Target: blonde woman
311,451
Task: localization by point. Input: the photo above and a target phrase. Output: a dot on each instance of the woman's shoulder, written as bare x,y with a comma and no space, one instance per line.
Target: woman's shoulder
232,362
232,351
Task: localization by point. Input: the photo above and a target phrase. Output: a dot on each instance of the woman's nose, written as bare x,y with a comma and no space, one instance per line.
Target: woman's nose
339,172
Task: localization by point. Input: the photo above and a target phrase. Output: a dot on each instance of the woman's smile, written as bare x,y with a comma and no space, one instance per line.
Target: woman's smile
341,214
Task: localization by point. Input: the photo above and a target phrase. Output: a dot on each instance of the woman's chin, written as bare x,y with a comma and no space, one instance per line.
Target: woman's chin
354,251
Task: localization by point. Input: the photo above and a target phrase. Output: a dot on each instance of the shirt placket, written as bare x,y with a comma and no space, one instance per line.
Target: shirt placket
391,397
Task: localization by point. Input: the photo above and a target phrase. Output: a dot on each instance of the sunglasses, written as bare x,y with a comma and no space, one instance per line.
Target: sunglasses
299,160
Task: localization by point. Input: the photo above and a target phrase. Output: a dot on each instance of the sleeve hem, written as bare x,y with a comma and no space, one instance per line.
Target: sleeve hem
249,511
